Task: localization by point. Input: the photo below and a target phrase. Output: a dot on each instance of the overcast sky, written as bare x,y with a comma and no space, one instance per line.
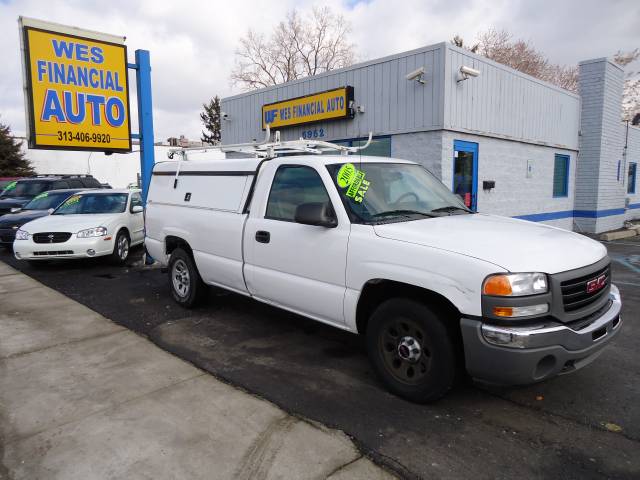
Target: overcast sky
192,43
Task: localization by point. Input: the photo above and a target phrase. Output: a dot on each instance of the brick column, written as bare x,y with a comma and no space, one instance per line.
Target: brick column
600,195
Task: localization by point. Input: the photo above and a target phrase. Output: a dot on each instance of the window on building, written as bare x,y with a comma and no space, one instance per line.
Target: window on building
561,176
631,183
292,186
379,147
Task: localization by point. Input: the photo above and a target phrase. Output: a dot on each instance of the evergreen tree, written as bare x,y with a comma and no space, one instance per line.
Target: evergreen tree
12,160
211,120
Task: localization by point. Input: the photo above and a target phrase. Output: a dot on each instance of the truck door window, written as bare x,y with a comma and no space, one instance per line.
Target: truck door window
294,185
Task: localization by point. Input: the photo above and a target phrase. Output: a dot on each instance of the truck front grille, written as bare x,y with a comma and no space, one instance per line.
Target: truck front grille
579,293
51,237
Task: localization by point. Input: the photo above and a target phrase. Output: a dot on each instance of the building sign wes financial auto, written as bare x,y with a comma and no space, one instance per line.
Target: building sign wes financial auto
76,88
330,105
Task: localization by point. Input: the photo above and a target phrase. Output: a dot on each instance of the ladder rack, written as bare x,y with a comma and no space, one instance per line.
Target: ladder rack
267,149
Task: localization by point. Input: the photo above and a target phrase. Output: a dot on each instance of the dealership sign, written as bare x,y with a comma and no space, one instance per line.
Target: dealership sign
76,88
330,105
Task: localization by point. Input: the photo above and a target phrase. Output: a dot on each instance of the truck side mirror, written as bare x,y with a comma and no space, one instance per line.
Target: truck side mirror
137,209
316,213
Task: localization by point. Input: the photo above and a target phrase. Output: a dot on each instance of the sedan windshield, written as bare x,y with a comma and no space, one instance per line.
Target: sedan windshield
387,192
45,201
93,203
25,189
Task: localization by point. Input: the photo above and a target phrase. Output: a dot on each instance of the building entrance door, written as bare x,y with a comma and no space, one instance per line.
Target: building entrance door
465,172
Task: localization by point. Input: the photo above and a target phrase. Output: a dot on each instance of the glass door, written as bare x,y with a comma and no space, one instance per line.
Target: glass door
465,172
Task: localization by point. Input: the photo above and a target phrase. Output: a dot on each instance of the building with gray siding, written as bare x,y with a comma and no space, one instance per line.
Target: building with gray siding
506,142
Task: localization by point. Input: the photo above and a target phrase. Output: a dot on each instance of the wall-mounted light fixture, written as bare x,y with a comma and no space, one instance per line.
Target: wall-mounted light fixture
416,75
225,116
467,72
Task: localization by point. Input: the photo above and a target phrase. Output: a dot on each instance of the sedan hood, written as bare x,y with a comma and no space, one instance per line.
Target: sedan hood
6,204
20,218
70,223
515,245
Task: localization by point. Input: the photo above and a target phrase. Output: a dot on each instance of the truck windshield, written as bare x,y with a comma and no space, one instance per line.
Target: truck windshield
93,204
388,192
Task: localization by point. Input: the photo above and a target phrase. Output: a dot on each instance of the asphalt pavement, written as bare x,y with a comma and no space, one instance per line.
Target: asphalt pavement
584,425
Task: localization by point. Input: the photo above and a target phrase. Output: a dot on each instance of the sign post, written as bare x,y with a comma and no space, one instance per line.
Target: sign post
145,119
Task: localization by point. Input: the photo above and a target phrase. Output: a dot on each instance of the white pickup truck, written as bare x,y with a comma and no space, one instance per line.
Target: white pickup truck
380,247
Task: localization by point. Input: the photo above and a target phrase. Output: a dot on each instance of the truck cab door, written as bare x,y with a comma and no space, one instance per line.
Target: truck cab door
296,266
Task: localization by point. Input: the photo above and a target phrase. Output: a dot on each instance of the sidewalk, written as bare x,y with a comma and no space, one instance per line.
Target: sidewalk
83,398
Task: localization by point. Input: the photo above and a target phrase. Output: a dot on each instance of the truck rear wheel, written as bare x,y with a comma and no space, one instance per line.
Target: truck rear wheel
185,282
411,350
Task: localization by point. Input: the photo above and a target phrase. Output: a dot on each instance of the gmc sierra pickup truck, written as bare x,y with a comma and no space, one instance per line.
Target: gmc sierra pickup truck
380,247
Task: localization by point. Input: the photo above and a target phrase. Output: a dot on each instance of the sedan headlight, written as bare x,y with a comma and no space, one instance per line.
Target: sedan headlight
515,284
22,235
92,232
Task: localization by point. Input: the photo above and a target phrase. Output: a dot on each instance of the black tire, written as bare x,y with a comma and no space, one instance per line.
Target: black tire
422,371
121,248
185,283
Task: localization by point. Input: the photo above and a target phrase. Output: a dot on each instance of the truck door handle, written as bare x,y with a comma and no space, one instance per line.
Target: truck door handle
262,236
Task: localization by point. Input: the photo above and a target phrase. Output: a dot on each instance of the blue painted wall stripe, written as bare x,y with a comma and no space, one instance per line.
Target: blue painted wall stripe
541,217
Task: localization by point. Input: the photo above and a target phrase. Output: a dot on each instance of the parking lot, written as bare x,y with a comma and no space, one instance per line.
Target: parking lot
586,425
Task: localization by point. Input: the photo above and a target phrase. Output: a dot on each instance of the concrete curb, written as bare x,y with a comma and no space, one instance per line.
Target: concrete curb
85,398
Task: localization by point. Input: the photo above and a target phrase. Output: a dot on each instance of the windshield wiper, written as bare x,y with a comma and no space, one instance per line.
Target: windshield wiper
450,208
405,213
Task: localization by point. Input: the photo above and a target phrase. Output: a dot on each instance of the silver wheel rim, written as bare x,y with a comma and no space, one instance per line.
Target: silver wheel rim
123,247
180,278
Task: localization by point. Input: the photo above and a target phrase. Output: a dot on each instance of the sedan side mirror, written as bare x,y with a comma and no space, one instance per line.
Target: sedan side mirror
316,213
51,210
137,209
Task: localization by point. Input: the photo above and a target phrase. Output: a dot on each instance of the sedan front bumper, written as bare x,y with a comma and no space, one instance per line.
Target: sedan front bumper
528,354
72,248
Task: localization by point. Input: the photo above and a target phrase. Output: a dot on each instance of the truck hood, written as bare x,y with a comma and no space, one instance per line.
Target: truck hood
515,245
71,223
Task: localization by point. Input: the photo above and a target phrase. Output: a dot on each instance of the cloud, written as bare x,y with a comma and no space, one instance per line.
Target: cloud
192,42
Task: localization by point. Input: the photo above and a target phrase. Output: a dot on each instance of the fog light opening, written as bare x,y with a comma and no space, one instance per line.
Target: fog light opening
91,252
545,367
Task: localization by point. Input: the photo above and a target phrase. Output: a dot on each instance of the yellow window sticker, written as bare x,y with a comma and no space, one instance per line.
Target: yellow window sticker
72,200
354,181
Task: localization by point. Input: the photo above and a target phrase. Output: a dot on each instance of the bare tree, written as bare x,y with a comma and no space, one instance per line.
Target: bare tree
299,46
631,89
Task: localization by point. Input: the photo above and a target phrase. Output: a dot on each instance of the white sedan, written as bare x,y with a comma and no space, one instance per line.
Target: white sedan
88,224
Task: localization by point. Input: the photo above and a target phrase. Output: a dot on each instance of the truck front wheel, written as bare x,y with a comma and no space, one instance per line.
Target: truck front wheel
185,283
411,350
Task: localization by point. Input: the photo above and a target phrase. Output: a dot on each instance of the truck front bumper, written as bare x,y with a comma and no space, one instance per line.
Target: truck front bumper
528,354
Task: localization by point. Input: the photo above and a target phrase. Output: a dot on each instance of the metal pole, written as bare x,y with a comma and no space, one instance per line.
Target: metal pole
145,119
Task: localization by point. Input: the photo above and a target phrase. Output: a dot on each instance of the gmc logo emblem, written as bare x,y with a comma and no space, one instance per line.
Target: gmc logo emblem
596,284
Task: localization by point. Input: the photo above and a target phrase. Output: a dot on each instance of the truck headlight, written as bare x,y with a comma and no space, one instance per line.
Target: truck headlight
22,235
515,284
92,232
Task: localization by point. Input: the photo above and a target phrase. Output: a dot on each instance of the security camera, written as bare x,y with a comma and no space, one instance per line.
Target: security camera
416,75
224,115
467,72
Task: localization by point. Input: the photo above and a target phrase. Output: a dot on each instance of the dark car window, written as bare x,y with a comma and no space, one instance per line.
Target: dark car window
90,182
59,185
293,186
46,200
26,188
75,183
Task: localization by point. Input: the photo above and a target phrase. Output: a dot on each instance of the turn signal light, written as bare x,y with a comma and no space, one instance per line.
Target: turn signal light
521,311
498,285
503,311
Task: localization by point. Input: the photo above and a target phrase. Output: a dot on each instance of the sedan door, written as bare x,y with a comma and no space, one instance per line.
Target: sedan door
296,266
